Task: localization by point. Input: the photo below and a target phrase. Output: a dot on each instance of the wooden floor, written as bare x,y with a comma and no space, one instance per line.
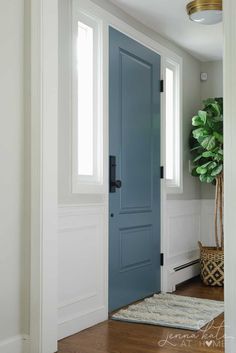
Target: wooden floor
120,337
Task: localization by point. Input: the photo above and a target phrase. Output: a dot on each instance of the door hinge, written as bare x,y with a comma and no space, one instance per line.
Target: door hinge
162,86
162,172
162,259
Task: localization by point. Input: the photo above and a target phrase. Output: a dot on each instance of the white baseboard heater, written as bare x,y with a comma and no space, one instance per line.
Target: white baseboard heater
184,272
188,264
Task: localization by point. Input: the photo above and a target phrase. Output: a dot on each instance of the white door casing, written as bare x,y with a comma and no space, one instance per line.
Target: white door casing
43,116
230,172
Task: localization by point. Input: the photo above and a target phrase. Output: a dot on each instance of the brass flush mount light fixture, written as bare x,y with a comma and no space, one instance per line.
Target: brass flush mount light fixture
207,12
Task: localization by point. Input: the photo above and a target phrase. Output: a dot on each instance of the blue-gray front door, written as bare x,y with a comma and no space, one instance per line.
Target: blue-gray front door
134,224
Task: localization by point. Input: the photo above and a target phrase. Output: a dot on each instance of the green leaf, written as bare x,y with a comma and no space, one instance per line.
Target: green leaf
203,178
219,158
197,158
216,171
212,165
206,164
196,148
206,178
217,119
206,141
208,102
208,154
218,136
203,116
197,121
200,139
209,143
209,179
200,132
201,170
216,108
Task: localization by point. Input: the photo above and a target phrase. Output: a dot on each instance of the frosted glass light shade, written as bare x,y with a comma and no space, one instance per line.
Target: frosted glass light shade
207,17
207,12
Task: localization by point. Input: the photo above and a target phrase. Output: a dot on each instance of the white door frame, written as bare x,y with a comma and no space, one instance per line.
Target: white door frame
43,106
230,172
44,102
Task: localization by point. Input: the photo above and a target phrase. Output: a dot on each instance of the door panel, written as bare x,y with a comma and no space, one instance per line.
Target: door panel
135,247
134,229
135,118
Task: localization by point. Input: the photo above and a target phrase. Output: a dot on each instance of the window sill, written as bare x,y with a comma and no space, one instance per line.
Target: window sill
86,188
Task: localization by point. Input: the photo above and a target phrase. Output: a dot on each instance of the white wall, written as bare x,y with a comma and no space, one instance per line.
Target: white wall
12,248
213,87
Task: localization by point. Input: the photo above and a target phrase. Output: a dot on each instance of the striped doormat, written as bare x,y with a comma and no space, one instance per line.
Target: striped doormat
171,310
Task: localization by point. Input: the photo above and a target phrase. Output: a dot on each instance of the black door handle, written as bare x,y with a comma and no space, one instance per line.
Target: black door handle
114,184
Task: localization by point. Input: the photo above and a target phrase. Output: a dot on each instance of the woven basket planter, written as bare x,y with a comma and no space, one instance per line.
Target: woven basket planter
212,265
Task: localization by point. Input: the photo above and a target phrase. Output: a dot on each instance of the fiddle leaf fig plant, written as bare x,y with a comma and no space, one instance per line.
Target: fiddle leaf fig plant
206,143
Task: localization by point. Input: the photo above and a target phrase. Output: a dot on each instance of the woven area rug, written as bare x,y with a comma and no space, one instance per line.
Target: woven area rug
171,310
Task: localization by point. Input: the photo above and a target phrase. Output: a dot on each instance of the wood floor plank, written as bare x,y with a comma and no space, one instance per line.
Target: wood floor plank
121,337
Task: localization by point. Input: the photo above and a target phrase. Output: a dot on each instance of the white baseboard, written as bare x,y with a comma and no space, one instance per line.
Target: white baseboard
16,344
183,275
78,323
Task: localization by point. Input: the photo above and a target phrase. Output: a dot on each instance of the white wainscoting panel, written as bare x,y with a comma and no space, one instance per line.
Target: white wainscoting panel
82,242
207,222
16,344
83,265
183,227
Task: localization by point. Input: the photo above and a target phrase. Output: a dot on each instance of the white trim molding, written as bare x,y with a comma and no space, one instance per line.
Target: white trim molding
82,280
230,172
88,184
174,185
43,115
16,344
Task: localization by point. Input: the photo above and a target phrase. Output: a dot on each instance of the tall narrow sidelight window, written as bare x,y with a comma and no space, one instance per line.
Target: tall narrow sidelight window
85,68
87,105
173,126
170,124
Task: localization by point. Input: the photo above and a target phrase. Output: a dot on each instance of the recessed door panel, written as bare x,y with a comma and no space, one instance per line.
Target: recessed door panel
136,126
135,247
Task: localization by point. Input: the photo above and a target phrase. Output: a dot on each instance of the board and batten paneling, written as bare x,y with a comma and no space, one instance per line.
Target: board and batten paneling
182,232
82,249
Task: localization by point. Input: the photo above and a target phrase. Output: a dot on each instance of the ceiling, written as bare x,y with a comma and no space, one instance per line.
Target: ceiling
169,18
